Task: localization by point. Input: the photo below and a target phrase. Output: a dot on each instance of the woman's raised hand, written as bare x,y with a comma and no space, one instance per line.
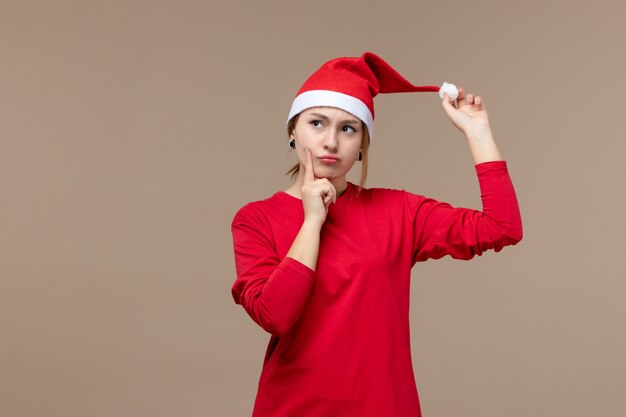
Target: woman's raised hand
317,194
470,117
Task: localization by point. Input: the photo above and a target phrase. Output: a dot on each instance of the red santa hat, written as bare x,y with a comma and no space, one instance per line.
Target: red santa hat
351,84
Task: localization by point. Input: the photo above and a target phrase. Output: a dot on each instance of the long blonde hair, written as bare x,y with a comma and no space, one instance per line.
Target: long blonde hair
293,172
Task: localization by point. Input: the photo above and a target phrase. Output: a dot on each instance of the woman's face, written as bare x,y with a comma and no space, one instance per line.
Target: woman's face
334,138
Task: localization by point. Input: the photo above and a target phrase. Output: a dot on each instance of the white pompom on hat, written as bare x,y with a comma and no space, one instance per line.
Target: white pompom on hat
351,84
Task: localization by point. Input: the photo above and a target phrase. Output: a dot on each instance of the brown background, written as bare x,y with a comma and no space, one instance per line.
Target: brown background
131,132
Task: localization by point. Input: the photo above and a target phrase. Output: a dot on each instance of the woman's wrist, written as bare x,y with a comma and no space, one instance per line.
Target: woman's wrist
312,225
483,146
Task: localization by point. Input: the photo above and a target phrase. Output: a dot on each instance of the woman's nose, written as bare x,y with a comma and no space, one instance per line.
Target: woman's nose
330,142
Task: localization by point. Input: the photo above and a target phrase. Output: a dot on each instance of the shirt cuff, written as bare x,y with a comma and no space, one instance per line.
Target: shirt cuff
491,166
298,267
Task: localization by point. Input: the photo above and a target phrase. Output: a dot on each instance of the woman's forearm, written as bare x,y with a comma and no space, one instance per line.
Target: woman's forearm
305,247
483,146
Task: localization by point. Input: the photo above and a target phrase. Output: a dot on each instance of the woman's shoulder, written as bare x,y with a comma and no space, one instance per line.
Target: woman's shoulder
390,198
377,193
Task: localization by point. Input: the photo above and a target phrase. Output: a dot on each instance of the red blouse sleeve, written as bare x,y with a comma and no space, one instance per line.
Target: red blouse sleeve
272,291
462,233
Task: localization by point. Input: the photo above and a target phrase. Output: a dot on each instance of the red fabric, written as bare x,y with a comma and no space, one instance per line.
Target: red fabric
362,78
340,343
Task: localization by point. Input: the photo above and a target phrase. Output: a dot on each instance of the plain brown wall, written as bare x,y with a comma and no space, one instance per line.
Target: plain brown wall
132,131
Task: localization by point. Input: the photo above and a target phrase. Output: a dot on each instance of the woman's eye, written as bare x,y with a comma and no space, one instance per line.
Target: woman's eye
316,123
349,129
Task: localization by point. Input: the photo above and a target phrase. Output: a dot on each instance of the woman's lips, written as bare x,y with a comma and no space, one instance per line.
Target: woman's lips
329,159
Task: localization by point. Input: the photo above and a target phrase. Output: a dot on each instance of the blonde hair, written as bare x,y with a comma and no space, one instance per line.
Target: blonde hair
293,172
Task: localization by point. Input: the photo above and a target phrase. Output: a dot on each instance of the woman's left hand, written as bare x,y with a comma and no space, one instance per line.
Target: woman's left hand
470,117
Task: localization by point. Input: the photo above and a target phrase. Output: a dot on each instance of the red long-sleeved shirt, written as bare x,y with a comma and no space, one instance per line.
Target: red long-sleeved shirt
340,343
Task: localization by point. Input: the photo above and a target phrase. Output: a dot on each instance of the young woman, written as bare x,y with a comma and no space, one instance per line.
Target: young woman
325,265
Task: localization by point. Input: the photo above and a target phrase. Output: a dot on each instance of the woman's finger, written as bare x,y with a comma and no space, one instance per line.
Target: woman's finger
328,198
447,105
461,97
329,193
308,167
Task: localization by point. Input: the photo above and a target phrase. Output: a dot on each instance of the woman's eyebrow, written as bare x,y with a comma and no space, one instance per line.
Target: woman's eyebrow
324,117
321,116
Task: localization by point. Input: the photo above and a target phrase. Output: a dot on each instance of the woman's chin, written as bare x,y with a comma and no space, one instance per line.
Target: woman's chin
329,174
